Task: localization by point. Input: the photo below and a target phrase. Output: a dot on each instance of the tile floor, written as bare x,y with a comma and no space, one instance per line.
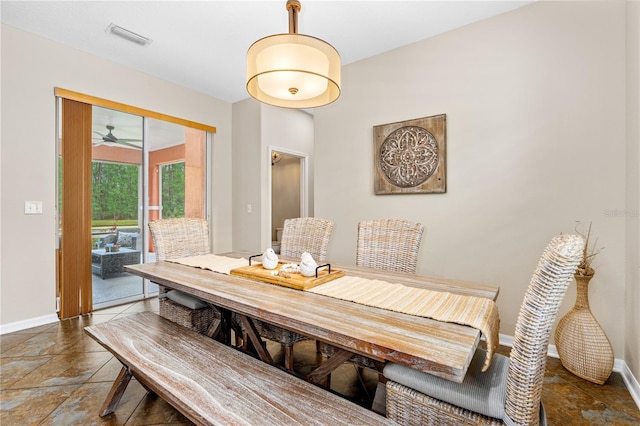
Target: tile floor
57,375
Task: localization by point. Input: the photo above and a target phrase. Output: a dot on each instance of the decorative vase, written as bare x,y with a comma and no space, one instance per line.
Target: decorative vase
582,344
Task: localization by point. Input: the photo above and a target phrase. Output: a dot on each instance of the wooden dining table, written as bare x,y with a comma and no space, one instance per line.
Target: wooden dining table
440,348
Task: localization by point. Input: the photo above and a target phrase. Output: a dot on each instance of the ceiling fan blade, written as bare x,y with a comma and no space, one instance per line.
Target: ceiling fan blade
120,141
111,140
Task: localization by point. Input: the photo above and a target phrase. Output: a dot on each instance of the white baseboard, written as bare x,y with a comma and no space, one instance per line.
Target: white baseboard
630,381
619,366
29,323
506,340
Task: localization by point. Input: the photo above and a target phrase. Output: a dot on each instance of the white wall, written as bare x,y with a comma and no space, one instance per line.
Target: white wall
535,104
632,298
31,68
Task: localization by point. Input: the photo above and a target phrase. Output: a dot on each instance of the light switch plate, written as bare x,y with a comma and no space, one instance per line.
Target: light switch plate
33,207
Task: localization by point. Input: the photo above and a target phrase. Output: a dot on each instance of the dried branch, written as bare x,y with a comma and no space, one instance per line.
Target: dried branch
588,253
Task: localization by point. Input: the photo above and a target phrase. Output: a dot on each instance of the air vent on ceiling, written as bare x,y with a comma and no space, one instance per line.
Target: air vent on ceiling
127,35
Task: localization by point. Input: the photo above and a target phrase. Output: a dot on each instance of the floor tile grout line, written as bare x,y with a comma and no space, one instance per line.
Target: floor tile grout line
557,374
135,408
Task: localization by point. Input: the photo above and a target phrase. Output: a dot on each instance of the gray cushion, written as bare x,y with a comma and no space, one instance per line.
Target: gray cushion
480,392
109,239
186,300
126,239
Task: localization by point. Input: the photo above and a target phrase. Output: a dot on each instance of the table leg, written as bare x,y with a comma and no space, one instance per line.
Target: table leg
255,339
223,329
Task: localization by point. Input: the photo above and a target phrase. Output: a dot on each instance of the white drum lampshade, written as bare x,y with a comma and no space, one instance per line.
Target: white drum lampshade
293,70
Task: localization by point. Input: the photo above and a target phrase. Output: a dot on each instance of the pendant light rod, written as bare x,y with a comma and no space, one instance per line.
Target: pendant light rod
293,6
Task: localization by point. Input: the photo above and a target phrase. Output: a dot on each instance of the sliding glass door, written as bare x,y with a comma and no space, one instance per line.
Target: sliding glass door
119,167
176,173
143,169
117,217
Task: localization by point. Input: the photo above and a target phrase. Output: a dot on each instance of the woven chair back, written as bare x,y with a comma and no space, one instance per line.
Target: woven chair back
389,244
180,237
537,314
310,234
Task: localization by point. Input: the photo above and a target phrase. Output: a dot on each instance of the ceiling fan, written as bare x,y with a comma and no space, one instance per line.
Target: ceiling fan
110,139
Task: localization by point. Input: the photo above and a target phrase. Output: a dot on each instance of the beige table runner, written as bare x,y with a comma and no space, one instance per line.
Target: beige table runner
212,262
476,312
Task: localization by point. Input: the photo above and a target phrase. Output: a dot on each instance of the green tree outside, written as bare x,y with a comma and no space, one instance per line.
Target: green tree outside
114,194
172,190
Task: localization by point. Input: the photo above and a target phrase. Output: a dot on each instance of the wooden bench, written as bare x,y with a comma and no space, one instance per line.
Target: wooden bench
213,384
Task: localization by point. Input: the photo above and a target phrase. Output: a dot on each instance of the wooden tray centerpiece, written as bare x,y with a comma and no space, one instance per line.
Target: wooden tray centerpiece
294,280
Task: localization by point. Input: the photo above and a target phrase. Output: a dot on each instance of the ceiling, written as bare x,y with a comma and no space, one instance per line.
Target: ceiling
202,45
128,128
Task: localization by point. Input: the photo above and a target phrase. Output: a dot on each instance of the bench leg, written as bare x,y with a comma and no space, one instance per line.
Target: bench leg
116,392
322,372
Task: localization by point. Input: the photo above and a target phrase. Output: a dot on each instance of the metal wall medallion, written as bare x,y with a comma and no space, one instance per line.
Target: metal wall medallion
410,156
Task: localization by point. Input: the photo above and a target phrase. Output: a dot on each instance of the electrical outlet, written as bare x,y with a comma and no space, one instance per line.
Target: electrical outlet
249,208
33,207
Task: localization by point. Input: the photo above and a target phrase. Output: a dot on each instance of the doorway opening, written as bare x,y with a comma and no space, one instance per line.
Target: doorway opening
288,190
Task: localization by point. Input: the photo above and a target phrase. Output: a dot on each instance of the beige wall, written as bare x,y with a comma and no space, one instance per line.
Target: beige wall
632,298
535,104
256,128
246,175
31,68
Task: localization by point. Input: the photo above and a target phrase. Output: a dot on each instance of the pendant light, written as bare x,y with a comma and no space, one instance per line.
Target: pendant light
293,70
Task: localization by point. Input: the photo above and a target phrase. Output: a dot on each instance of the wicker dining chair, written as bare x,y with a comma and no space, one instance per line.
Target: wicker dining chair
175,238
310,234
299,235
388,244
509,392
